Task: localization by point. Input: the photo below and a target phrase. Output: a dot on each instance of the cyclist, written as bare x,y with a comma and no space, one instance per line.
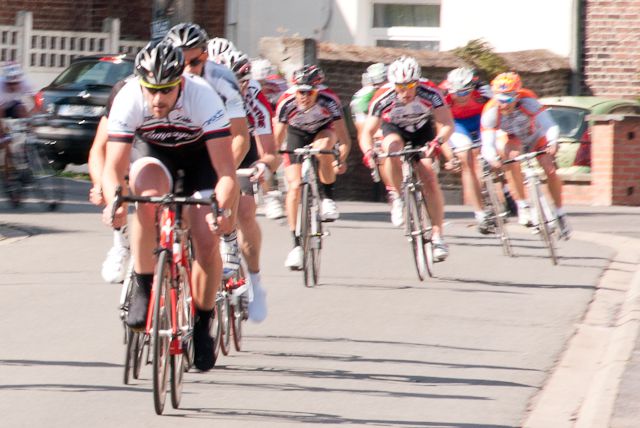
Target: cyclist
179,125
196,47
273,85
372,79
262,156
114,267
404,108
14,88
310,115
513,122
466,103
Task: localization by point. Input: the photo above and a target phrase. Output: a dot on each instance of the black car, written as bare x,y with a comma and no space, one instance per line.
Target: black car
73,104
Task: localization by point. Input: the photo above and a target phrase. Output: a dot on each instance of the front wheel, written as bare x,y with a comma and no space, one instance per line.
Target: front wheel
497,214
161,329
315,243
224,315
414,232
544,221
305,233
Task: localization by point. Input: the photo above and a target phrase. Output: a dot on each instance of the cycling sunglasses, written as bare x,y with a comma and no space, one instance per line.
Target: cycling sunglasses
196,61
463,93
507,98
409,85
163,89
307,91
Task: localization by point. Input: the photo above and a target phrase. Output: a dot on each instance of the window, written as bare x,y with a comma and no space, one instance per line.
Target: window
408,24
387,15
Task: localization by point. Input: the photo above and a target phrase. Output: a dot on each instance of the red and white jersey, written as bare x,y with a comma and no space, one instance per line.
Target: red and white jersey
473,107
327,109
258,108
198,115
411,116
273,86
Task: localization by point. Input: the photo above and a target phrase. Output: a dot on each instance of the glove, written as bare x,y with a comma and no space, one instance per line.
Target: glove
433,148
367,159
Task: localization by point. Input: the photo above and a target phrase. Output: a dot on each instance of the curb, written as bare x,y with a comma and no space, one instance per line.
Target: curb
582,388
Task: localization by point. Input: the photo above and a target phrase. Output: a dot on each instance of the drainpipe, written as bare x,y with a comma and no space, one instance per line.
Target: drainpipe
577,47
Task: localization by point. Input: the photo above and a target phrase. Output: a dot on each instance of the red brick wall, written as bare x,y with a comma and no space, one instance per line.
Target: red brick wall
612,48
87,15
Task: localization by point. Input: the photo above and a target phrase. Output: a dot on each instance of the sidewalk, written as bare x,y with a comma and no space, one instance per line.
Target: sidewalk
596,382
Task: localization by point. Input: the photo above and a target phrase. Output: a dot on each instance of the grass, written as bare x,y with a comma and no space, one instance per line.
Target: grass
75,175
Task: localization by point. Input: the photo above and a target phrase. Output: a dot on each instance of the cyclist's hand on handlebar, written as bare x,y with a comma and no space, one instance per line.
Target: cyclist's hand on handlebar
368,159
339,167
495,164
432,149
115,220
261,172
552,149
222,224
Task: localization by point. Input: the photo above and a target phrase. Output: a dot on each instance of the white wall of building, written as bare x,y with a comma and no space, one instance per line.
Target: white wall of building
508,25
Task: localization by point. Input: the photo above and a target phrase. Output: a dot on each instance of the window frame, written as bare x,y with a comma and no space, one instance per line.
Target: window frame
399,33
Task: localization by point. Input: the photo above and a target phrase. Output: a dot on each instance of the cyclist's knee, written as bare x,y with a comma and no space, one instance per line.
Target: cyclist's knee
149,177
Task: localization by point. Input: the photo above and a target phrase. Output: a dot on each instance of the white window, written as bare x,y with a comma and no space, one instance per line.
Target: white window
412,24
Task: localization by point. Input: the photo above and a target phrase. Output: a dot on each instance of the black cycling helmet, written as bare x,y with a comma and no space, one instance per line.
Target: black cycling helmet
159,64
240,64
187,35
308,77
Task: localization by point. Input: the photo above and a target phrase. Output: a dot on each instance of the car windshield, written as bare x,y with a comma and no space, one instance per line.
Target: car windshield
94,72
569,120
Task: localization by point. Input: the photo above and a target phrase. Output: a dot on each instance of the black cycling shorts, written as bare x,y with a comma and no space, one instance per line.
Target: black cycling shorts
195,162
297,138
11,110
418,138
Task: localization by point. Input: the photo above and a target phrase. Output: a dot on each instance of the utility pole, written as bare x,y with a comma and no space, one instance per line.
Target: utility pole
167,13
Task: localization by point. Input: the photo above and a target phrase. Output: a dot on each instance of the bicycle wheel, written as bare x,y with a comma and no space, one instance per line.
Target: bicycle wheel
140,340
239,312
224,313
161,332
133,354
184,321
426,228
543,221
128,354
186,302
305,233
315,243
46,186
414,232
494,205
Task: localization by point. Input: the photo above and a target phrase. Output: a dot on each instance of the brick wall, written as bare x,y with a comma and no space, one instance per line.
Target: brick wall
612,48
87,15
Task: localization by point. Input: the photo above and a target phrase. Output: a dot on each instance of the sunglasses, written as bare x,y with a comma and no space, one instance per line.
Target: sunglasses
409,85
506,98
164,89
463,93
197,60
309,92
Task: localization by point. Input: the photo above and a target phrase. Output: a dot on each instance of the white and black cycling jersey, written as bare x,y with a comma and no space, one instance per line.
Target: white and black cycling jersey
224,82
197,116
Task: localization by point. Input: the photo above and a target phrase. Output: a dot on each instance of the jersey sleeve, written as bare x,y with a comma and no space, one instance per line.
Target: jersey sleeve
210,112
126,113
262,114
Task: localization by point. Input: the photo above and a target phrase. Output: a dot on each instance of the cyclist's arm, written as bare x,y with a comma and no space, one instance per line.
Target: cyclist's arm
240,139
444,128
550,129
267,149
369,129
344,138
280,133
97,159
222,159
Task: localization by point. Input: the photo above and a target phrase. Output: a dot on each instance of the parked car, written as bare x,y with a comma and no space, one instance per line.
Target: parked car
73,103
570,112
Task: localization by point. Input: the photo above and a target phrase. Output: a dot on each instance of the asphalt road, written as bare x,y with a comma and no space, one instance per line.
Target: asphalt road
370,346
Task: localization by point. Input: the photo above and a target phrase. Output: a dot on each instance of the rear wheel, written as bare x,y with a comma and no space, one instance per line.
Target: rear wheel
224,315
161,330
128,354
426,228
239,312
180,362
47,186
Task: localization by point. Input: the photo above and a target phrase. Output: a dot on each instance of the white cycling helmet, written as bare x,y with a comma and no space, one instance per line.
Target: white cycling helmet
461,79
240,64
187,35
12,72
377,73
404,70
218,47
261,68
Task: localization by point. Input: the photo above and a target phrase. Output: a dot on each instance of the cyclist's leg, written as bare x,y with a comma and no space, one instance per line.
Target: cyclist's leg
149,176
461,139
325,140
433,194
293,174
513,173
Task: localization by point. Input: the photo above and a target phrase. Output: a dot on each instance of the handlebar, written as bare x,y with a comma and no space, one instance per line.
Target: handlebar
524,157
169,199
